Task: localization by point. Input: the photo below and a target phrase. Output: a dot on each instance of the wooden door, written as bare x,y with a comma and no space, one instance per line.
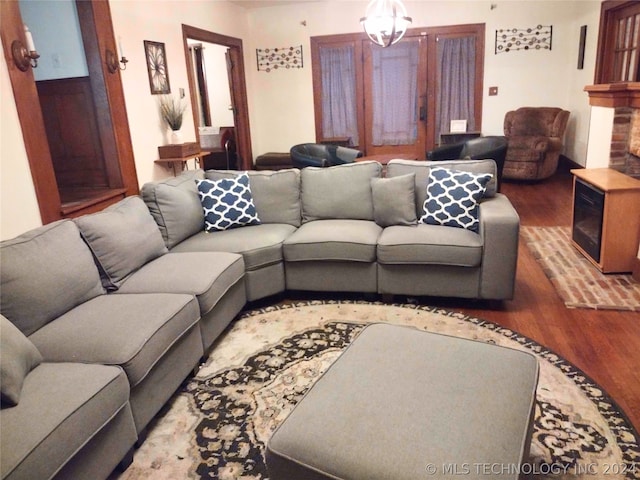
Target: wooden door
395,98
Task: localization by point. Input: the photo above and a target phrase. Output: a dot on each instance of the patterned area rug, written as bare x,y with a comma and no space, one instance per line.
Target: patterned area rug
577,281
219,424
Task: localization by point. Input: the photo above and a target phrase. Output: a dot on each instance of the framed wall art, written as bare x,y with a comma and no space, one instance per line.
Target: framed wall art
157,67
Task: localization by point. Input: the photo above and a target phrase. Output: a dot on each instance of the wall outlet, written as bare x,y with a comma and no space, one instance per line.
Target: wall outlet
493,91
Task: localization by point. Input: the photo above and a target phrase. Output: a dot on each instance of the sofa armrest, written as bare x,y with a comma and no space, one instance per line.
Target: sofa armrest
499,227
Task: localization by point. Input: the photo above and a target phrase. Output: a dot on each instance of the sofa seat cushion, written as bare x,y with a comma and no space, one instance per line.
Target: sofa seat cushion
45,272
207,275
429,245
260,245
333,240
133,331
63,405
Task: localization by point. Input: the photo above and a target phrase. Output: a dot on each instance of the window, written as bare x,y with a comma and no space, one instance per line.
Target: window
618,43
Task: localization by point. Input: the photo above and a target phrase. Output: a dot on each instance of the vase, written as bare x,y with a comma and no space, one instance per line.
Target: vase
176,137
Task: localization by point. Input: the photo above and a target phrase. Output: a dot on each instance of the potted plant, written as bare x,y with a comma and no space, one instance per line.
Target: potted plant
172,110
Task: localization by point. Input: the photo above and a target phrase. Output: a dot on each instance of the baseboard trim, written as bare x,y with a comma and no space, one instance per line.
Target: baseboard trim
568,163
636,270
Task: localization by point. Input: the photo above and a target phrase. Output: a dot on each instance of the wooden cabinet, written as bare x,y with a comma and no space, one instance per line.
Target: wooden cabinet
606,218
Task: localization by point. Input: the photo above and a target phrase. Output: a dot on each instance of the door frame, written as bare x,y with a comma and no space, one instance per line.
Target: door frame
238,88
108,97
431,33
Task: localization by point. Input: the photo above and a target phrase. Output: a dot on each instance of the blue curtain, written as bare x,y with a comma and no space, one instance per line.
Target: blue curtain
395,97
339,118
455,96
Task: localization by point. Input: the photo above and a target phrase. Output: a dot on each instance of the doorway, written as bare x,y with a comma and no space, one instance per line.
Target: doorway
398,100
229,96
105,96
396,94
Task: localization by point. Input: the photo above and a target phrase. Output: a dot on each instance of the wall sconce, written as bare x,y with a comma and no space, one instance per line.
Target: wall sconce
112,61
385,21
23,56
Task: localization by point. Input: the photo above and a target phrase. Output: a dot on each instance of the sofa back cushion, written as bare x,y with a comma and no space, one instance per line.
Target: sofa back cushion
175,206
394,200
421,169
276,194
45,273
122,238
536,121
340,192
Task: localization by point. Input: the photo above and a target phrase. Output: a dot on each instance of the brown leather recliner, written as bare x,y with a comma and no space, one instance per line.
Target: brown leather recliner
534,136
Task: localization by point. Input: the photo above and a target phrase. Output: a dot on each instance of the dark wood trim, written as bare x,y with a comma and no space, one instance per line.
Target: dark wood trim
97,28
430,34
90,201
636,270
623,94
30,116
238,90
108,98
202,86
606,37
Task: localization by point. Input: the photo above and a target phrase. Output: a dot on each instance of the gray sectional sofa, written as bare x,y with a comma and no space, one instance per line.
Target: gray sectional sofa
104,316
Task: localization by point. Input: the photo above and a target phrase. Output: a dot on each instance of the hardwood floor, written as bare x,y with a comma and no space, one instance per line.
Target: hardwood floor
603,344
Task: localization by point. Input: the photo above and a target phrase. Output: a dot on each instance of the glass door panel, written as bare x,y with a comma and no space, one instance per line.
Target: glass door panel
395,92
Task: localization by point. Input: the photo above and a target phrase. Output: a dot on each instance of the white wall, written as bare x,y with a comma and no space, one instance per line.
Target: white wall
218,85
281,102
136,21
524,78
18,205
599,151
61,56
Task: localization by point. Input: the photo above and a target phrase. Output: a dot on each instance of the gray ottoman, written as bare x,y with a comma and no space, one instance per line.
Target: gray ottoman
404,404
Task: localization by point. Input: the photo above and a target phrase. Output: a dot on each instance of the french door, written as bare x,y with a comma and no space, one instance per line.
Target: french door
397,100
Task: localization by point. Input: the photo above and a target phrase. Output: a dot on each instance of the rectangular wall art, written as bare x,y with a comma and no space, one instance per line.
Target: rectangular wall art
270,59
533,38
157,67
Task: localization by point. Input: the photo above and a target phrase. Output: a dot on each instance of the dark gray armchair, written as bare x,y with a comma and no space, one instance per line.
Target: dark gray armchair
317,155
493,147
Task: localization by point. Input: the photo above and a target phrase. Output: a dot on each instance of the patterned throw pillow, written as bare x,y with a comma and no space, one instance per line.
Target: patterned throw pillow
452,198
227,203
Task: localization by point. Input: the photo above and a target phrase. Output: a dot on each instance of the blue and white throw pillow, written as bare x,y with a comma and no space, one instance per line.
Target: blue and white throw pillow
452,198
227,203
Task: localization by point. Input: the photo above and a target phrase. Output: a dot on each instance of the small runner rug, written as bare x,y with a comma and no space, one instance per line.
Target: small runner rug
577,281
217,426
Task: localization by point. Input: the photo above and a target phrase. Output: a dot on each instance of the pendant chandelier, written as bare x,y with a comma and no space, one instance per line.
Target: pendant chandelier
385,21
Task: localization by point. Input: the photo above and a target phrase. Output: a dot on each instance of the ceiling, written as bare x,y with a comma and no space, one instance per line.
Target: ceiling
251,4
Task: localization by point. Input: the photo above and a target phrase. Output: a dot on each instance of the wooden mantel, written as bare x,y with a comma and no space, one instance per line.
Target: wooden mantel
622,94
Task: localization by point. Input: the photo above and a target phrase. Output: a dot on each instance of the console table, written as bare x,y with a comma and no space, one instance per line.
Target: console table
606,218
182,161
